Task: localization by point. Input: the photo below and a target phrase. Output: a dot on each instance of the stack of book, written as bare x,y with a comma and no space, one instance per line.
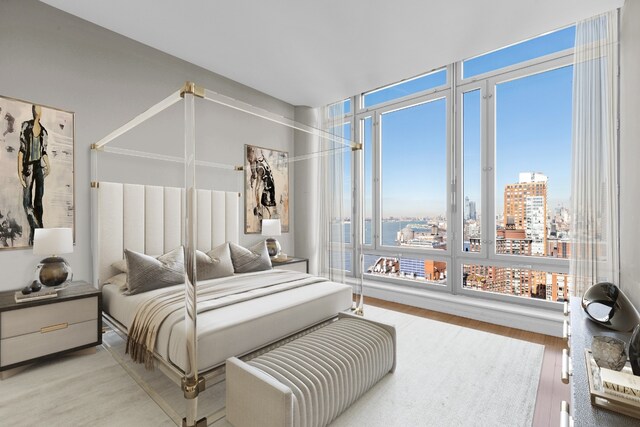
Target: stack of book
43,293
620,384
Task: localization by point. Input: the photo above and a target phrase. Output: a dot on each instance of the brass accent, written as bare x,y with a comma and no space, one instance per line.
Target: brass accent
356,146
190,87
359,311
238,168
191,388
95,147
202,422
52,328
95,184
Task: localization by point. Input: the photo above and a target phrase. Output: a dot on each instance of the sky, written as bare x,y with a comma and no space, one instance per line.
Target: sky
533,133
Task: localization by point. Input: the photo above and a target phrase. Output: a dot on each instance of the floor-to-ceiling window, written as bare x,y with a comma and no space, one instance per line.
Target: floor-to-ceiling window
467,174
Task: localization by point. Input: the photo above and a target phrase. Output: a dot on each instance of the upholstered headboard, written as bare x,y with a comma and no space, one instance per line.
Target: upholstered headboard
149,219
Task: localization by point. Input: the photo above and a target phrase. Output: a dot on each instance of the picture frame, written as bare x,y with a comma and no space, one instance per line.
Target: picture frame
266,187
37,166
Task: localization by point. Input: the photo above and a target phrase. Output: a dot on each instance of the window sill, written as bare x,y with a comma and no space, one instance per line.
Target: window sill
533,319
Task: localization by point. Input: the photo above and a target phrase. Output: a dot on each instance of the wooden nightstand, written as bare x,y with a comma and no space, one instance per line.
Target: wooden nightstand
292,263
33,330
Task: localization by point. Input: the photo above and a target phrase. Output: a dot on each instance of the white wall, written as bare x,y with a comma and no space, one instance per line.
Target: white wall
630,151
52,58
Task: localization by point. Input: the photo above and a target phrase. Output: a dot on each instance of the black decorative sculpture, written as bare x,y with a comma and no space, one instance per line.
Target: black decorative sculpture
605,304
634,350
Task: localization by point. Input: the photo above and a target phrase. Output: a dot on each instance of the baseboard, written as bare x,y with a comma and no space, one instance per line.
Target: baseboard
533,319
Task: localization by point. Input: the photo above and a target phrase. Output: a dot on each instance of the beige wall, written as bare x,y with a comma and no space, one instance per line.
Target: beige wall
52,58
630,151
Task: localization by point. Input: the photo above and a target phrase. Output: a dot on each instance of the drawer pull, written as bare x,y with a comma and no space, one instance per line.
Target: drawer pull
52,328
566,330
566,420
566,366
567,308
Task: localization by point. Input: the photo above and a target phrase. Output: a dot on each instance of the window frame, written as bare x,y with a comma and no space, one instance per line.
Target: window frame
487,255
455,257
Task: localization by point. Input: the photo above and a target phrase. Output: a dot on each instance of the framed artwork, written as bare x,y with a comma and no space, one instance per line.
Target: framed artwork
36,170
266,187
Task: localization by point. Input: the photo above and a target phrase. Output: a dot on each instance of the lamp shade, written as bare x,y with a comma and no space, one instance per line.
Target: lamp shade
52,241
271,227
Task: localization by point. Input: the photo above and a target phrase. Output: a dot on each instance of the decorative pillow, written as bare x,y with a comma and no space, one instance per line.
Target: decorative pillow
215,263
256,258
119,279
147,273
120,265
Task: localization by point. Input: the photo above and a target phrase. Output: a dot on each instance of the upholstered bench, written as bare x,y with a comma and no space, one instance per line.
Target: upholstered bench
313,379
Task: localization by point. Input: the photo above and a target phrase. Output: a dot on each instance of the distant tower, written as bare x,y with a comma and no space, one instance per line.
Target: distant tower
467,207
472,211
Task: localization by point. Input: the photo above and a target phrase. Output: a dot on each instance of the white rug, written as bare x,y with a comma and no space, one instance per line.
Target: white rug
446,376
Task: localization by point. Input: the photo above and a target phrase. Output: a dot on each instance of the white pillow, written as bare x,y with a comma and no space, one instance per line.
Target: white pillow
120,265
119,279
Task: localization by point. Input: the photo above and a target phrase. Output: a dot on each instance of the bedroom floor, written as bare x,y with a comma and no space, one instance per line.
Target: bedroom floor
551,391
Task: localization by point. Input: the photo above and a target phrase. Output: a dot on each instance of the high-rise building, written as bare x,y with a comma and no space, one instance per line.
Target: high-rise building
525,208
469,209
472,210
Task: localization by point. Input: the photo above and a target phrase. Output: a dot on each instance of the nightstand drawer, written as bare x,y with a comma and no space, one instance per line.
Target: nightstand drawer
58,337
24,321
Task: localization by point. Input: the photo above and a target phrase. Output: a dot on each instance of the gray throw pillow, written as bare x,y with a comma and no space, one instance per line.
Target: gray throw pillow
256,258
146,273
215,263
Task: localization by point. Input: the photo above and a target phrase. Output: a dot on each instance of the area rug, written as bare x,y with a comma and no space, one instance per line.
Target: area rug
446,375
89,390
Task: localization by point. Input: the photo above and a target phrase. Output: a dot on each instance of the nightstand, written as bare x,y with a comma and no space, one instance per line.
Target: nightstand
34,330
291,263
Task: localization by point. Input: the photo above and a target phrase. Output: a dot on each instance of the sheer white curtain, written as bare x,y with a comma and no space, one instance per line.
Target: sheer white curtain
331,215
595,248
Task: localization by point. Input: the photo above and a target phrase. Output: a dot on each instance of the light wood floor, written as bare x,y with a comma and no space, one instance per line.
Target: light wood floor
551,391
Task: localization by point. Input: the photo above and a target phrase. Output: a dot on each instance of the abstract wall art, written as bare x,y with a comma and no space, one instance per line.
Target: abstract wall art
36,170
266,195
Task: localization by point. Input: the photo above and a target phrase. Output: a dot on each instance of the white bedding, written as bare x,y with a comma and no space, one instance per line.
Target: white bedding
239,328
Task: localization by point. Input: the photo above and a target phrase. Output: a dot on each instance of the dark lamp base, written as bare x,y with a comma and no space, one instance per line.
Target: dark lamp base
53,271
273,247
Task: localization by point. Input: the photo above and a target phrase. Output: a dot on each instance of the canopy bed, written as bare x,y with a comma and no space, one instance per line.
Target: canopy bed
203,322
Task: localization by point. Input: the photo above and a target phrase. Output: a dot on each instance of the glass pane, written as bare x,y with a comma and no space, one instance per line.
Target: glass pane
540,46
471,179
338,256
533,164
339,109
368,179
414,168
347,185
407,87
341,227
519,282
414,269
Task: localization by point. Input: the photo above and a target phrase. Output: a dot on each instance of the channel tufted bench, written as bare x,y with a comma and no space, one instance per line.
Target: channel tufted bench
308,382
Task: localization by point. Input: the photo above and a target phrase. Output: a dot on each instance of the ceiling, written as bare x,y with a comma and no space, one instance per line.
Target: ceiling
317,52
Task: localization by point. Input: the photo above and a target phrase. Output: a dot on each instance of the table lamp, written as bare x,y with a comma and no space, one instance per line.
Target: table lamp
51,242
270,228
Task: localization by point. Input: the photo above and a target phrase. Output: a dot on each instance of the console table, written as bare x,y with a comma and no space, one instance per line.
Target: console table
580,331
